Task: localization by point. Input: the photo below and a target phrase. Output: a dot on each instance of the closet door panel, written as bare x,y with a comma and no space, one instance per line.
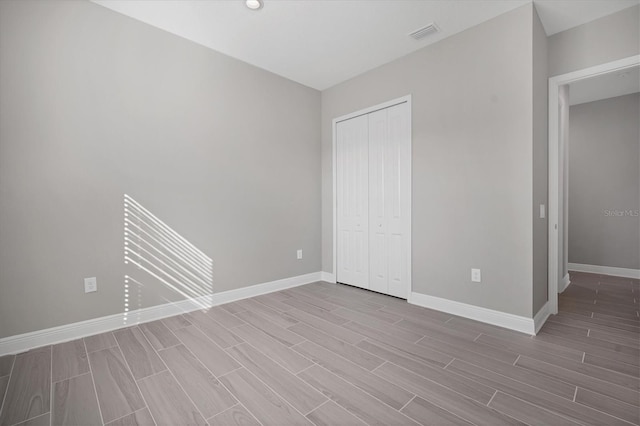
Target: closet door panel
352,208
379,254
397,205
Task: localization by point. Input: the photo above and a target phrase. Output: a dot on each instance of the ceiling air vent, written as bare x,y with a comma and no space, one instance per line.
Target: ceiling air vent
424,31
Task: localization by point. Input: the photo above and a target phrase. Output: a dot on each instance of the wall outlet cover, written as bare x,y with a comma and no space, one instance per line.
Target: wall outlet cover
90,285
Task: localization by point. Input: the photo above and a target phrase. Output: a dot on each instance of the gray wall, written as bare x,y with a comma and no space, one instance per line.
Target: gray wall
604,40
604,165
472,127
94,105
540,165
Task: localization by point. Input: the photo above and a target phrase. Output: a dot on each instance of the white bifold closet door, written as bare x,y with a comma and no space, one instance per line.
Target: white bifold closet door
352,155
373,187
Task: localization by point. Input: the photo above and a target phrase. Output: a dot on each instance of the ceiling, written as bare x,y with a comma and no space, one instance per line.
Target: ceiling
617,83
320,43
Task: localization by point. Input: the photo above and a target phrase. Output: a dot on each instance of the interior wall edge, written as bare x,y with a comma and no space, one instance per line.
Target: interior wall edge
566,280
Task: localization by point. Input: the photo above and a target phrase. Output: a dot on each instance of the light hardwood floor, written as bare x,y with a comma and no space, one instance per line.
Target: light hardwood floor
329,354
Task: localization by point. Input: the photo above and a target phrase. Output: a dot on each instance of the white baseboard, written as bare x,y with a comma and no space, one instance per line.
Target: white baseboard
489,316
541,317
565,283
605,270
328,277
64,333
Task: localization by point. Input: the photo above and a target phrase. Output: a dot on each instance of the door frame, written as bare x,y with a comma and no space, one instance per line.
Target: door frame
556,160
404,99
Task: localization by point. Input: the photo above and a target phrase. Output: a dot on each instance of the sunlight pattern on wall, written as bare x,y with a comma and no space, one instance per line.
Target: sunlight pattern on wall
159,251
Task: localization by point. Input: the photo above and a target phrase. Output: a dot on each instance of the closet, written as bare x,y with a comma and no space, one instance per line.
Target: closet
373,199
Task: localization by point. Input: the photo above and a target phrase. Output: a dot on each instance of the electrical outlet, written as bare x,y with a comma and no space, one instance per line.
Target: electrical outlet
475,275
90,285
299,254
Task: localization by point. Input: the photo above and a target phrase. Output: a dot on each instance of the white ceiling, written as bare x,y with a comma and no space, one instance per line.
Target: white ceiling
560,15
320,43
617,83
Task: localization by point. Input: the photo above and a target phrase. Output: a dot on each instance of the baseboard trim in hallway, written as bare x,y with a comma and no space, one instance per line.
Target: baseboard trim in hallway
605,270
63,333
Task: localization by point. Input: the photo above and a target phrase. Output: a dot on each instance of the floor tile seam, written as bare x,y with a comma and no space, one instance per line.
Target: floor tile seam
225,410
612,352
233,406
594,345
598,380
106,347
302,299
408,355
126,415
603,328
305,369
269,357
456,345
173,316
369,394
93,382
6,392
324,403
264,306
169,330
408,402
35,417
325,332
208,339
238,402
492,396
514,379
278,394
205,333
329,400
71,377
546,409
126,363
600,411
432,402
166,367
185,393
436,382
341,355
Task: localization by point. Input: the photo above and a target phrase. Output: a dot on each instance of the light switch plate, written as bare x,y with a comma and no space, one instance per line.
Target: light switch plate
543,212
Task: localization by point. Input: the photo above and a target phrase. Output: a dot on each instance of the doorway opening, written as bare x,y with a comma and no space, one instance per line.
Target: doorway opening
586,84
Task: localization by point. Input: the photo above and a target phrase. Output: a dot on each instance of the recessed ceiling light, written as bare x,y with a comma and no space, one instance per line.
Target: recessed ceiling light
253,4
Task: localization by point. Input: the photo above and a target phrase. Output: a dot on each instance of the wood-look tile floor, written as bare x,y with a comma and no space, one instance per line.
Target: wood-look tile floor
329,354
